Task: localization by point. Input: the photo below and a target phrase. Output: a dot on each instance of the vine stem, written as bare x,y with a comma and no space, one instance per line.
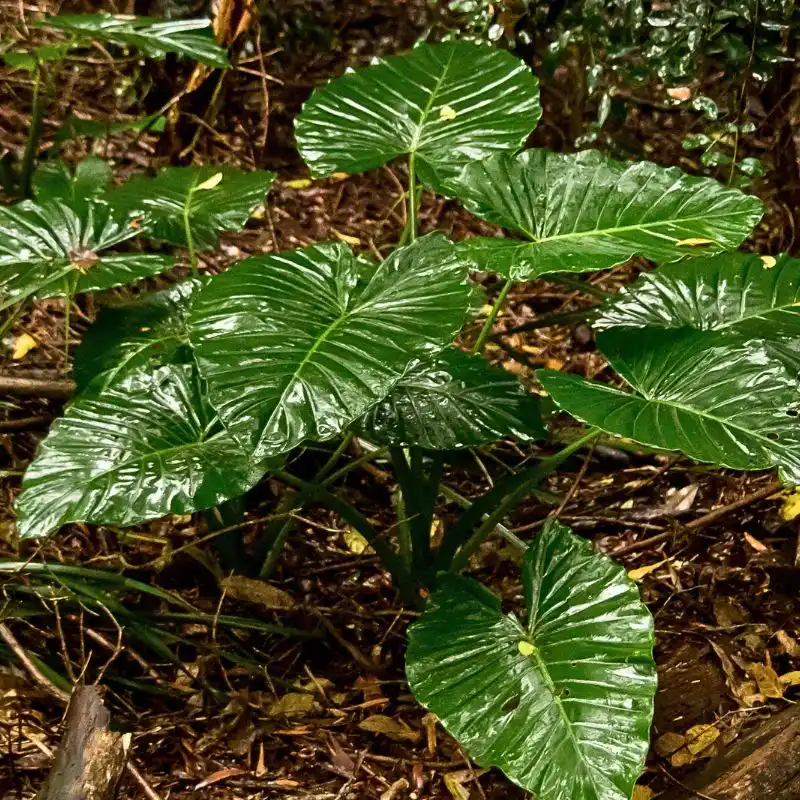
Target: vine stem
486,330
34,133
536,476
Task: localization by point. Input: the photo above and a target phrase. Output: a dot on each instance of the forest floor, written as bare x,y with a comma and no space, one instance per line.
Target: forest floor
226,698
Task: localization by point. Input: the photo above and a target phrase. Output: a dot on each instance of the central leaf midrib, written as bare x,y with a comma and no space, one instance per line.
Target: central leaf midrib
414,144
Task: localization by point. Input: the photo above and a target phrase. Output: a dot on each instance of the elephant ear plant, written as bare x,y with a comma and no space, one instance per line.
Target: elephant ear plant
186,398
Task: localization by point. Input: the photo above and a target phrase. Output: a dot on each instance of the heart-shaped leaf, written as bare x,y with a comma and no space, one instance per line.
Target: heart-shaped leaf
583,211
201,200
563,703
298,345
193,38
54,181
448,104
51,249
745,294
715,397
457,400
153,330
147,446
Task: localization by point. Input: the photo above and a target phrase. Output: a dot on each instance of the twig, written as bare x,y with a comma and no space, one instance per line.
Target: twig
36,387
702,522
33,671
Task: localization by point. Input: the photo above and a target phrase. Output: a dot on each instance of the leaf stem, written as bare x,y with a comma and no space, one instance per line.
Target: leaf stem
486,330
412,197
530,481
187,228
34,134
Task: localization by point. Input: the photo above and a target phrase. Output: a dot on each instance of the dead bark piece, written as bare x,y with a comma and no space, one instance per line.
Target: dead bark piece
91,758
762,765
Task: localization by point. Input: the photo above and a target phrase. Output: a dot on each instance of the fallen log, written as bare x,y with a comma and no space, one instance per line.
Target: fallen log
764,764
90,759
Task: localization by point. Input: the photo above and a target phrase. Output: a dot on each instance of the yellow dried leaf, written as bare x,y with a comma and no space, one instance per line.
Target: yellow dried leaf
299,183
790,678
526,648
340,176
23,345
455,787
668,743
353,241
788,643
294,704
681,93
640,572
699,737
447,113
694,242
642,792
210,183
768,261
389,727
356,542
769,683
791,505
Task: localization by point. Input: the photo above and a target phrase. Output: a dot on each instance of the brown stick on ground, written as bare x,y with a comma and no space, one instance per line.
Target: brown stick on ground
763,765
38,387
90,760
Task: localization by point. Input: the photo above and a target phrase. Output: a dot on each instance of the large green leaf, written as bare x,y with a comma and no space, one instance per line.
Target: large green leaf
147,446
742,293
51,249
298,345
153,330
204,200
448,104
716,397
562,703
584,211
53,180
456,400
193,38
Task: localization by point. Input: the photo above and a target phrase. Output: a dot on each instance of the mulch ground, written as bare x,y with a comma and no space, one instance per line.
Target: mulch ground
311,701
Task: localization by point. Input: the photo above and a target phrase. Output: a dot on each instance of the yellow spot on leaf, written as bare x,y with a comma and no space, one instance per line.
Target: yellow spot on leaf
526,648
23,345
300,183
447,112
210,183
694,242
769,261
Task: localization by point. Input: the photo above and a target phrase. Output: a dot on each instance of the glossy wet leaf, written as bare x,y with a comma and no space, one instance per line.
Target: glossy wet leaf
583,211
742,293
448,103
193,38
299,344
718,398
143,448
152,330
53,180
30,60
207,200
561,702
456,400
44,248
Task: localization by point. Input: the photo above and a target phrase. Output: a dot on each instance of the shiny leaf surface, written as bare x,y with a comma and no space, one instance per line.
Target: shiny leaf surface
206,200
742,293
457,400
153,330
583,211
147,446
53,180
448,104
561,703
45,248
298,345
714,397
193,38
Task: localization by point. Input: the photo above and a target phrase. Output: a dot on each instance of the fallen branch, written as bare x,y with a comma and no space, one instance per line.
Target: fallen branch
36,387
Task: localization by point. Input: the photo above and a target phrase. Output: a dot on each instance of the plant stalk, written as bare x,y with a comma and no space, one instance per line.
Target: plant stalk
520,489
412,197
34,134
486,330
187,228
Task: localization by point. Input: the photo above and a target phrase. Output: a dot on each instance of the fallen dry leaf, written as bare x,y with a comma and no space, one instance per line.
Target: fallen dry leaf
640,572
790,678
790,508
23,344
682,93
261,593
668,743
769,683
700,737
389,727
641,792
356,542
397,789
294,704
219,775
453,784
788,643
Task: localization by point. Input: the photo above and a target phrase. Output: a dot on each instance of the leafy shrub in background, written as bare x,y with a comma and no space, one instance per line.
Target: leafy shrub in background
188,397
